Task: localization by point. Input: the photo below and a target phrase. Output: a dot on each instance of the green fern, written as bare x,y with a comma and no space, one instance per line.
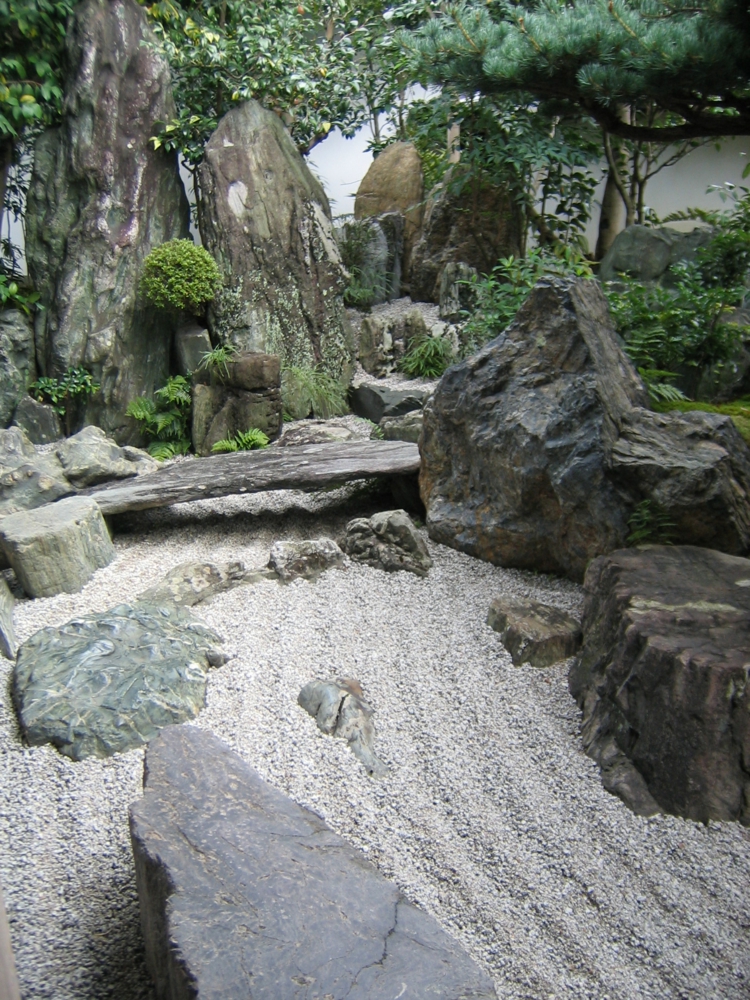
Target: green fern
242,441
218,359
164,450
649,523
660,390
428,357
312,389
165,418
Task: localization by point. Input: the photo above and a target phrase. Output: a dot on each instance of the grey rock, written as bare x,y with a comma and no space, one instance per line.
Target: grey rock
103,684
373,402
17,363
536,451
463,224
278,253
647,253
307,559
382,254
243,892
315,432
39,421
405,428
251,371
394,183
100,198
340,710
56,549
8,644
388,540
220,412
193,582
90,457
533,632
15,448
27,487
191,343
730,379
457,297
662,680
384,339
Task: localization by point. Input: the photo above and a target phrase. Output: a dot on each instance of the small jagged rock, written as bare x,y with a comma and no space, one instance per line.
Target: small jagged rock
243,893
307,559
533,632
388,540
90,457
40,422
56,548
373,402
340,710
405,428
8,644
105,683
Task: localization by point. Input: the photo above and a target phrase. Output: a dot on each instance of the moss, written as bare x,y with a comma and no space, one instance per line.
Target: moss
739,411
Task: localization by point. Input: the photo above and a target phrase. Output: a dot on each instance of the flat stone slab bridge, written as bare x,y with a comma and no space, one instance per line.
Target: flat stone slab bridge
297,467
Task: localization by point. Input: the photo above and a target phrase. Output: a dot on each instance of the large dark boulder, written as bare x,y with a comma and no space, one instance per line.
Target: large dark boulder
267,222
662,680
537,450
243,893
101,197
464,223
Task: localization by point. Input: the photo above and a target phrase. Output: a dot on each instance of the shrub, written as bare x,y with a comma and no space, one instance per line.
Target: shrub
165,418
311,389
180,275
65,393
13,295
427,357
243,441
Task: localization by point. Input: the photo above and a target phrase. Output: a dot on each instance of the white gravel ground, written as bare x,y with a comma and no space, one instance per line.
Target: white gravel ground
492,818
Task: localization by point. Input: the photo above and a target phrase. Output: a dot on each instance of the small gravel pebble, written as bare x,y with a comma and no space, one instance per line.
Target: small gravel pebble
492,818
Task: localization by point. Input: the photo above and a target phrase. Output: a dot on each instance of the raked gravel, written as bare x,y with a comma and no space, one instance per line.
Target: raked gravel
492,818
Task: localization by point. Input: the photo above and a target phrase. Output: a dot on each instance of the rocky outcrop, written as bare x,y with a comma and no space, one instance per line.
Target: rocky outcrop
267,222
464,223
647,254
244,893
99,200
537,450
106,683
17,361
90,457
40,422
339,709
305,559
394,182
662,680
388,540
534,633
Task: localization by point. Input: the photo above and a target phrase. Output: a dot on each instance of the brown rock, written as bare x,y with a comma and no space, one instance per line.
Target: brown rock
221,412
534,633
252,372
463,224
394,183
662,679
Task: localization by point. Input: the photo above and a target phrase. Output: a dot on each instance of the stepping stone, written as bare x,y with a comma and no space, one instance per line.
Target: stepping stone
243,893
56,548
103,684
388,540
307,559
534,633
340,710
374,401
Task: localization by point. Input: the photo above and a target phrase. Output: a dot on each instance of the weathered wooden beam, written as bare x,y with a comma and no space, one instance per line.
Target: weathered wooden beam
302,467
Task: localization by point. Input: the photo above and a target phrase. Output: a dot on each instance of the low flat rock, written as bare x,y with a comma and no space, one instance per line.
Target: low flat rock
192,583
388,540
244,894
534,633
307,558
662,679
57,548
103,684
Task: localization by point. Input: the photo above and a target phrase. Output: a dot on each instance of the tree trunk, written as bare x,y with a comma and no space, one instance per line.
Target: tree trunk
612,218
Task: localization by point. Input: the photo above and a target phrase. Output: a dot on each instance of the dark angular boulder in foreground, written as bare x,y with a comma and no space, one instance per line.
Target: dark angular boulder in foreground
663,680
537,450
243,893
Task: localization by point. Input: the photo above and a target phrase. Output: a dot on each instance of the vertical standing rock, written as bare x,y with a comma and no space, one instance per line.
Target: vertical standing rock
100,199
266,221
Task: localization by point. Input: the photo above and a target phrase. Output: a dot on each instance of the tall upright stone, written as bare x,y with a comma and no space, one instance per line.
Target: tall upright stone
100,199
267,222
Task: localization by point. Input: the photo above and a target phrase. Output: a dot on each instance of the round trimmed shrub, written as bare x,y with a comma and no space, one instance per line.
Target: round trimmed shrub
180,275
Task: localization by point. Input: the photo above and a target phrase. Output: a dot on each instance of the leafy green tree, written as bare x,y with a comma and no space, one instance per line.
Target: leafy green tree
32,42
